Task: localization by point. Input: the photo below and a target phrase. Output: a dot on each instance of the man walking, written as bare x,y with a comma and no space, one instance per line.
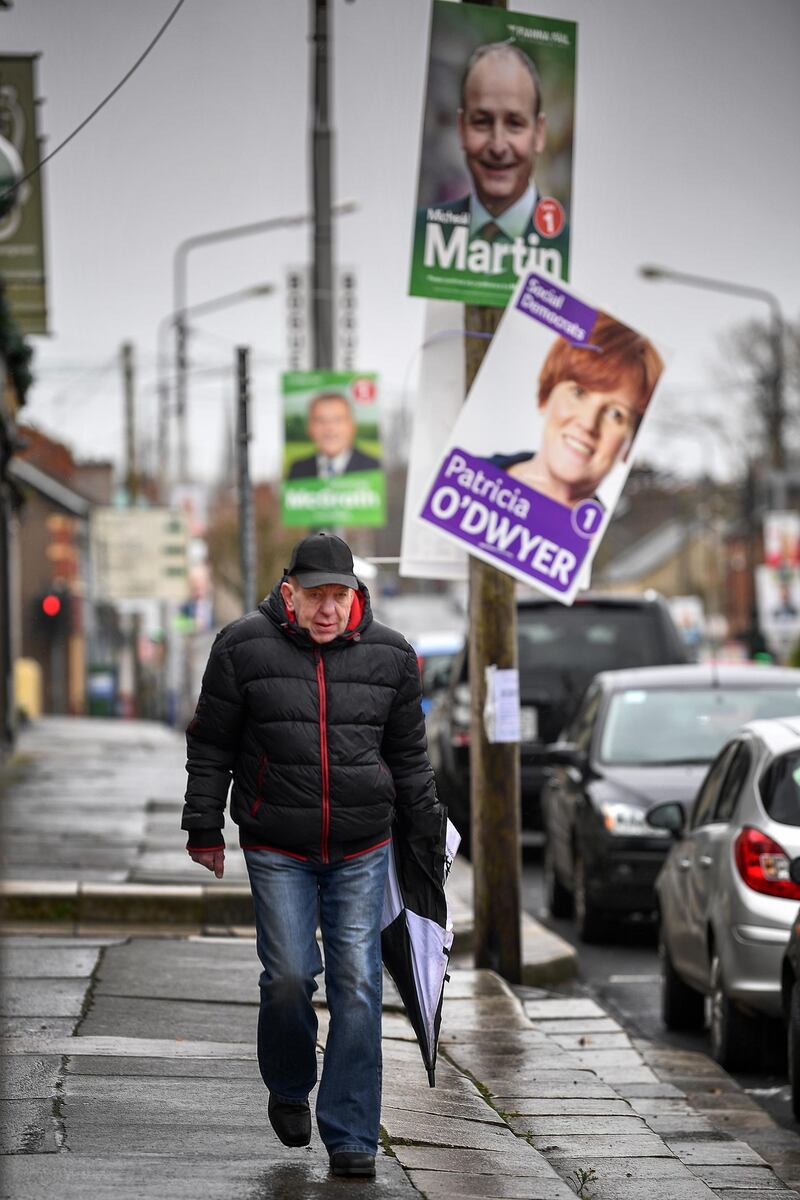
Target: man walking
313,709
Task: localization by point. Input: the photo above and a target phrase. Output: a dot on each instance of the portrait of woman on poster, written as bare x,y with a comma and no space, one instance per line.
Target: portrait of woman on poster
592,399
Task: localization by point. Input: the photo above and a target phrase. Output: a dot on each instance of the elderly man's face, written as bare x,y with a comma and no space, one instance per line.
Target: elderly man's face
331,427
500,135
324,611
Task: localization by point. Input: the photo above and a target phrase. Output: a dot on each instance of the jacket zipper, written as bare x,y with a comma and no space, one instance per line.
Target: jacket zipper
262,766
323,753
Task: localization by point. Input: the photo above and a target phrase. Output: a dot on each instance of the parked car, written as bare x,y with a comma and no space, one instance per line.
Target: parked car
726,899
436,653
790,995
560,650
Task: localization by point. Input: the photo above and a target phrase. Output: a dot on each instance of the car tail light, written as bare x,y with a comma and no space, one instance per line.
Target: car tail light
764,864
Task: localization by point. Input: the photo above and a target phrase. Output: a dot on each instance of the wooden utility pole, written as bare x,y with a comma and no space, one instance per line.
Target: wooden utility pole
131,477
247,532
494,767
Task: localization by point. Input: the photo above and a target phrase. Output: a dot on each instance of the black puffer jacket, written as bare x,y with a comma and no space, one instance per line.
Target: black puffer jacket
326,744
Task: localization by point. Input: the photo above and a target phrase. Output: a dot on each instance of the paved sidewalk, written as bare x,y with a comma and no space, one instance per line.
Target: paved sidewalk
128,1043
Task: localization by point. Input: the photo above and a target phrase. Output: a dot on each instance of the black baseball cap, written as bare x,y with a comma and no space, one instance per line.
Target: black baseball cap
322,558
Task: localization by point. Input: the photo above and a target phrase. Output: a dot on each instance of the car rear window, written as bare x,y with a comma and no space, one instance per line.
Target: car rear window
587,638
673,725
780,789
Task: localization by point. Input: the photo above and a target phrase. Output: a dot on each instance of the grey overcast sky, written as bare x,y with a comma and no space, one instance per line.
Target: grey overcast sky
687,154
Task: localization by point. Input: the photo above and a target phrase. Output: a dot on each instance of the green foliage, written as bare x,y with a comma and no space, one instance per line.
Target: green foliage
582,1177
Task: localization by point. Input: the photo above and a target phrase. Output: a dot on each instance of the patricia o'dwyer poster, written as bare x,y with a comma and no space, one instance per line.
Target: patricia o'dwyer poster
495,176
542,447
333,474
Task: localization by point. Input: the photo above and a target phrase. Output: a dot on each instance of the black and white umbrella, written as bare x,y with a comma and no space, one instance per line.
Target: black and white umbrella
416,937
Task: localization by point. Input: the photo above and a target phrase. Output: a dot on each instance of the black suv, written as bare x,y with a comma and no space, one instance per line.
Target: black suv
561,649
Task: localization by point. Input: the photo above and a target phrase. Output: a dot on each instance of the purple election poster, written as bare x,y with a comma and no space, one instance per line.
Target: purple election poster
540,452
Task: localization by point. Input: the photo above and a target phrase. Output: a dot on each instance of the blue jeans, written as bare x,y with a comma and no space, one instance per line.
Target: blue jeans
346,898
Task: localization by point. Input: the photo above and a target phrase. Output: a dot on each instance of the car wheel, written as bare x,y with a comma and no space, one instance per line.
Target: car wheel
681,1006
589,919
730,1030
557,898
793,1048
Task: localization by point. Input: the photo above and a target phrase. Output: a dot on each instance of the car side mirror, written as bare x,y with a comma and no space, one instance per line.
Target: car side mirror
670,817
794,870
565,754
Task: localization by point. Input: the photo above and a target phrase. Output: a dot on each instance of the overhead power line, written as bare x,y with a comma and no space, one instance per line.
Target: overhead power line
100,106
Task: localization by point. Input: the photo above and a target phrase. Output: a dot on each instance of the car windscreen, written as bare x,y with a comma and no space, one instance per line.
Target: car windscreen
780,789
667,725
588,639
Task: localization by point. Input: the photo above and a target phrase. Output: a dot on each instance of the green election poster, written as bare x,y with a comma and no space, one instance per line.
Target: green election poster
494,195
332,469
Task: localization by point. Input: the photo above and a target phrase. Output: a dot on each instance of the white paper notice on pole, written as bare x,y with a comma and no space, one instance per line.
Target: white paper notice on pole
501,708
540,451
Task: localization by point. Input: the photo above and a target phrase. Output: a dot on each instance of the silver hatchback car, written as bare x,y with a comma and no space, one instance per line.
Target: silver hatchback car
726,901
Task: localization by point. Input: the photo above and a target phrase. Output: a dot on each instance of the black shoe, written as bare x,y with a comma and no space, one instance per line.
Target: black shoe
291,1122
353,1162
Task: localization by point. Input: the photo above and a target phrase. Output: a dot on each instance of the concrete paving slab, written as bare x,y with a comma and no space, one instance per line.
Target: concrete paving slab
441,1185
28,1127
578,1123
484,1062
671,1125
159,1068
12,1027
423,1129
752,1194
520,1160
450,1105
757,1178
142,1017
715,1152
657,1189
148,1177
141,1099
720,1099
30,961
583,1085
580,1025
553,1107
466,984
597,1146
143,1047
31,1078
590,1041
44,997
644,1172
561,1008
517,1041
634,1090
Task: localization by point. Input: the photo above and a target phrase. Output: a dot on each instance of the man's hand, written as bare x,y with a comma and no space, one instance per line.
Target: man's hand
212,860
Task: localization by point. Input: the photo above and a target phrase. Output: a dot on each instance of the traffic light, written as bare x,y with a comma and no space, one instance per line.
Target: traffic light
52,611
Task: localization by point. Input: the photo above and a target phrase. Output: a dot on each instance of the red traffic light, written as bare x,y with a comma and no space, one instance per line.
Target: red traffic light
51,605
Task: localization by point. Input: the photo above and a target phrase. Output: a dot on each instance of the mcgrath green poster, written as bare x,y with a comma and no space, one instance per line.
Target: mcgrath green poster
495,178
333,474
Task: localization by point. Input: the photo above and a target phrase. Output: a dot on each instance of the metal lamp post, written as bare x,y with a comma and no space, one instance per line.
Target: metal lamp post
777,415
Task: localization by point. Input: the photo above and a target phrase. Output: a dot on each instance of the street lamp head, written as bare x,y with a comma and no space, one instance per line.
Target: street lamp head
648,271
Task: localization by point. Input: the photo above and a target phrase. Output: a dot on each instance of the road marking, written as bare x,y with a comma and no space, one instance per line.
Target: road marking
633,978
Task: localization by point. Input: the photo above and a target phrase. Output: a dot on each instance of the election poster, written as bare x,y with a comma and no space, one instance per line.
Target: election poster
332,469
540,452
494,194
782,539
778,604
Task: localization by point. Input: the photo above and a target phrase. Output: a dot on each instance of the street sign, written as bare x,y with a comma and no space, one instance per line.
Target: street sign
139,554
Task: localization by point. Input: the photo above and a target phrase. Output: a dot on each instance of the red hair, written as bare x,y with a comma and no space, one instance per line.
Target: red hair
613,357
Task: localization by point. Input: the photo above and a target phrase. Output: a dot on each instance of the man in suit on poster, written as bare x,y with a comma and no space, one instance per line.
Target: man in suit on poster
332,429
